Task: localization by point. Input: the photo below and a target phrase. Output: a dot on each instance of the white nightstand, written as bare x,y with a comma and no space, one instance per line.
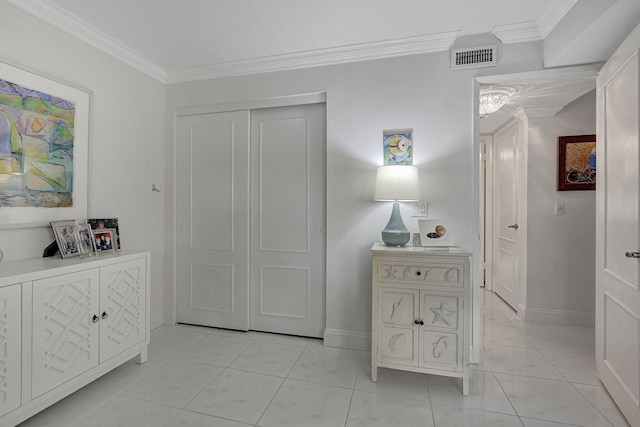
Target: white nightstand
421,311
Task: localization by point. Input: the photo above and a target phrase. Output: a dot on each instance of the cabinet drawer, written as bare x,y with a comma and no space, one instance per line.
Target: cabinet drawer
441,350
451,275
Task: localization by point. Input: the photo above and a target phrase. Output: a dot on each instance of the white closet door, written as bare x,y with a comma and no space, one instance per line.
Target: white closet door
212,214
288,220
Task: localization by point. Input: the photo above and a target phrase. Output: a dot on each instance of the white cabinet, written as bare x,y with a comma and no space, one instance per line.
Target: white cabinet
421,311
64,323
10,349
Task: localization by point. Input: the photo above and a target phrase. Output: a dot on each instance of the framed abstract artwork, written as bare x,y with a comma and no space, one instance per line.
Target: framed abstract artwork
576,163
44,128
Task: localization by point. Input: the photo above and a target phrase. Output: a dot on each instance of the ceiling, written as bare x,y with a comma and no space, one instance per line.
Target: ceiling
176,40
187,40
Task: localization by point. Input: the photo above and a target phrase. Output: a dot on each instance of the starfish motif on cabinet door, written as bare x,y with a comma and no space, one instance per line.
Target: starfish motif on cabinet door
440,314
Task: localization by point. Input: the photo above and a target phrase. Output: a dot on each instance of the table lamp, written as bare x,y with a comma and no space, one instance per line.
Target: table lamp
396,183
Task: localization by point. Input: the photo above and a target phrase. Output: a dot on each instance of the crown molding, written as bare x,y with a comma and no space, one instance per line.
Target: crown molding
70,24
518,33
316,58
528,111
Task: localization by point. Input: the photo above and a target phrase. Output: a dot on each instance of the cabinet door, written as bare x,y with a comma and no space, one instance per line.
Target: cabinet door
65,332
10,348
397,331
441,335
122,306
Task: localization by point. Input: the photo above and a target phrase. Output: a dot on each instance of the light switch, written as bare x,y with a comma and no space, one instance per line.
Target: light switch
559,208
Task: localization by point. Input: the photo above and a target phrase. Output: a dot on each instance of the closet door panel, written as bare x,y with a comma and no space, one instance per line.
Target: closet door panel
287,219
212,213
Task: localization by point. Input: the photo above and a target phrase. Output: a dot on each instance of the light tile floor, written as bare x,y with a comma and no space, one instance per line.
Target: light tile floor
529,376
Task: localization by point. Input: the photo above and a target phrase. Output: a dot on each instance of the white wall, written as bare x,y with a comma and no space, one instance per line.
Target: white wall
125,140
418,92
560,248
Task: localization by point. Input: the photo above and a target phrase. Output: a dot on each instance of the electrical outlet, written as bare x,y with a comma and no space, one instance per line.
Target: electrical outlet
559,208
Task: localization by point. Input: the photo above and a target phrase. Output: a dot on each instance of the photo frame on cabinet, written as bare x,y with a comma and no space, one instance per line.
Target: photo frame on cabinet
433,232
105,240
66,236
44,155
86,241
102,223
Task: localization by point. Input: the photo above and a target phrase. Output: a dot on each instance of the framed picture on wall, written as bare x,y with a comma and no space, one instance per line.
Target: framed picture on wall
66,236
576,163
43,149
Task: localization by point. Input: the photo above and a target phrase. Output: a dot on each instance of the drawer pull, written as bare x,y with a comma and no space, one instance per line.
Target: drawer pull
418,273
104,315
95,319
418,322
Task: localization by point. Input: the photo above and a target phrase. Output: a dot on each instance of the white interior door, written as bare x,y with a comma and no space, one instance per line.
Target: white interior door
505,214
212,216
617,287
288,219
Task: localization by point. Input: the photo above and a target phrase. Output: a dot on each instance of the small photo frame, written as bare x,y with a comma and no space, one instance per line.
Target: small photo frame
433,232
105,240
86,241
102,223
66,236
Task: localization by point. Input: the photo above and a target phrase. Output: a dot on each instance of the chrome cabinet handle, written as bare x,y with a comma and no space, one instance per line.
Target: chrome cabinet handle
632,254
514,226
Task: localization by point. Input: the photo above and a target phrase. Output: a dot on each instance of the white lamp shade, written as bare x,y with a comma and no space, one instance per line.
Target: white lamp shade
397,182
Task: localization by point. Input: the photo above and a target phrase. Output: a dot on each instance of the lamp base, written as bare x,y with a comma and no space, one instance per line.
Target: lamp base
395,233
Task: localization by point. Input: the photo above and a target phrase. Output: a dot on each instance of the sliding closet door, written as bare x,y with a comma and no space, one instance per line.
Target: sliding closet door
288,220
212,216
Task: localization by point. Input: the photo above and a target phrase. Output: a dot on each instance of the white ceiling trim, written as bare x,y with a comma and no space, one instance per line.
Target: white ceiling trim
321,57
50,13
518,33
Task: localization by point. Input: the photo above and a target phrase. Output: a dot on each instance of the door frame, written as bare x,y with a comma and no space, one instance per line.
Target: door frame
486,211
281,101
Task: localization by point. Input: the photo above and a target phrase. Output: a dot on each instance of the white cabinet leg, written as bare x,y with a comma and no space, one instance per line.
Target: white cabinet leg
143,356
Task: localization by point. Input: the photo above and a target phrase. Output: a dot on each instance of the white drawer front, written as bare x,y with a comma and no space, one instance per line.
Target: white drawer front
435,274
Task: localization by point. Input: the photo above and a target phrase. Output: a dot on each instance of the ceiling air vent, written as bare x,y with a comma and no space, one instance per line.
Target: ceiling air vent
476,57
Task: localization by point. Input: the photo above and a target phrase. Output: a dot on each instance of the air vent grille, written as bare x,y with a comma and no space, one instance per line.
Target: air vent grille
484,56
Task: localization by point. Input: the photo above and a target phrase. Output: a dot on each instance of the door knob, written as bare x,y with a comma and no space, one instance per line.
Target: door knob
514,226
632,254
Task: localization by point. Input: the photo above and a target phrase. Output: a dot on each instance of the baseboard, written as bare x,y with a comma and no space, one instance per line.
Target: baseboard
559,317
157,321
347,339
